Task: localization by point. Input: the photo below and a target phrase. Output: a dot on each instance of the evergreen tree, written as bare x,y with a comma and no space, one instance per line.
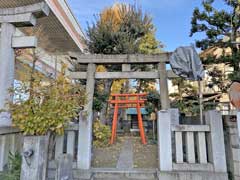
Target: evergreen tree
221,28
120,29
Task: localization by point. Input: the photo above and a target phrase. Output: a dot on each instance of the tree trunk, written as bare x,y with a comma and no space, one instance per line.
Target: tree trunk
32,74
126,89
107,90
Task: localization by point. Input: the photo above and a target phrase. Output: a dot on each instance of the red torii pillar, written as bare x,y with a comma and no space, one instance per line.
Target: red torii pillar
122,101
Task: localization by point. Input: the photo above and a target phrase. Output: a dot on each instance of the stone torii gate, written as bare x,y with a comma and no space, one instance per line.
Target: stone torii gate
86,119
10,20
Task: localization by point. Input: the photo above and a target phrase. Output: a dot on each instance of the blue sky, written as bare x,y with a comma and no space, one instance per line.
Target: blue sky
171,17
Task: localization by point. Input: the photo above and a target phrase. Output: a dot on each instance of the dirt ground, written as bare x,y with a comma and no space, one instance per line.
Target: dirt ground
144,156
107,157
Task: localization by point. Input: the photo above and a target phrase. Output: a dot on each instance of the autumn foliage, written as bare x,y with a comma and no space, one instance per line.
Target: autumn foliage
50,106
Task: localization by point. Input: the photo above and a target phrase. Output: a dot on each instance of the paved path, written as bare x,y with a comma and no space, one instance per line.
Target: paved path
125,160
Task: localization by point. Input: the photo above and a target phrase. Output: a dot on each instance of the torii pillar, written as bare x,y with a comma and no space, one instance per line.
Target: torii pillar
10,19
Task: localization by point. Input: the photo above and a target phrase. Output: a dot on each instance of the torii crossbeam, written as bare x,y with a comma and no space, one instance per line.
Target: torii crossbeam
128,101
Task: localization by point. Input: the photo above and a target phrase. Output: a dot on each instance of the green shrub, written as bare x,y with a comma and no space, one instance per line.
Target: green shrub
51,105
101,134
13,170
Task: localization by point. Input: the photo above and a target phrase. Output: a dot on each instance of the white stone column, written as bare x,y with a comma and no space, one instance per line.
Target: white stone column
85,123
164,141
216,141
6,70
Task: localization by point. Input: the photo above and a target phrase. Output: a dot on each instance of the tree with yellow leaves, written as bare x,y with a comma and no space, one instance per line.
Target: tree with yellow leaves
45,106
119,29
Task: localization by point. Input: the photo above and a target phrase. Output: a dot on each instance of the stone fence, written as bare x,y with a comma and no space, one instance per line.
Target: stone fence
191,151
185,151
11,141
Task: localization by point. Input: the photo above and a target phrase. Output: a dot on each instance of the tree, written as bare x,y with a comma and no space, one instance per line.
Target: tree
185,89
153,101
120,29
149,44
46,105
221,28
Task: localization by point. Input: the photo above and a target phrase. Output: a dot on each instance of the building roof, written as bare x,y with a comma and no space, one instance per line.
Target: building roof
133,111
60,29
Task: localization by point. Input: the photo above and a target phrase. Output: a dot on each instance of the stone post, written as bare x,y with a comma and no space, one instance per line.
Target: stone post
126,68
164,141
6,70
163,82
238,125
85,123
216,141
64,168
10,141
232,145
9,18
4,150
34,157
174,112
174,116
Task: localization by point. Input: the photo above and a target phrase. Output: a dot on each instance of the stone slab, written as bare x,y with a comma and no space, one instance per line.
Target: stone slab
236,177
39,10
122,75
125,160
185,175
24,42
20,20
236,165
236,154
119,59
234,139
9,130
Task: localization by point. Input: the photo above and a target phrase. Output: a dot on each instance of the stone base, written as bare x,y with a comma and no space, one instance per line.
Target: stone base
140,174
110,174
192,176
